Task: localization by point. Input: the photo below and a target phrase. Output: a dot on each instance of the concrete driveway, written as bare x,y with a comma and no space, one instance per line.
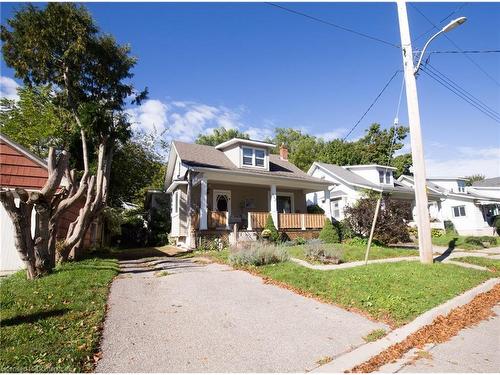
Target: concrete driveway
211,318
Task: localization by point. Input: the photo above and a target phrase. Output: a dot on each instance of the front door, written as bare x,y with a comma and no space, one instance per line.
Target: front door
222,201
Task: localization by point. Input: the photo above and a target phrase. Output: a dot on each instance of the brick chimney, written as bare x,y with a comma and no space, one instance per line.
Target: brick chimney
283,152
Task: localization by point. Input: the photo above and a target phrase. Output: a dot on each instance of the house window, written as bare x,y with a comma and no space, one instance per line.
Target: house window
387,177
458,211
336,209
175,202
259,158
381,176
254,157
461,187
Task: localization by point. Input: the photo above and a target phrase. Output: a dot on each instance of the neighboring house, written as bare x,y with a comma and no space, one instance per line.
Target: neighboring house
351,182
237,182
471,209
19,168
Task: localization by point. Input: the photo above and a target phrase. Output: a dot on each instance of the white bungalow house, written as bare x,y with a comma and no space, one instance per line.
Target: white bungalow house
471,209
350,183
237,183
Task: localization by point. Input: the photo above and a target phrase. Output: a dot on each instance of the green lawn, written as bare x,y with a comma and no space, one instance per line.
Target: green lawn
394,292
459,242
351,253
492,264
53,324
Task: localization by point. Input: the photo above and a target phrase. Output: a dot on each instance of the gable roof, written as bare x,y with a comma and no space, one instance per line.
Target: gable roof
202,156
488,182
347,176
19,167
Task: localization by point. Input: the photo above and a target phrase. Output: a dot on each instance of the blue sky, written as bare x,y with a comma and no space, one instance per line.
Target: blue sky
256,67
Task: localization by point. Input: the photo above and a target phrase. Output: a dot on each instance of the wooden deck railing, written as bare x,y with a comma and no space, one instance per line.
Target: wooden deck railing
215,220
257,220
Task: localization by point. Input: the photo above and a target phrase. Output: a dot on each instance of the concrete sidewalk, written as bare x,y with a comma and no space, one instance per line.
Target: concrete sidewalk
211,318
474,349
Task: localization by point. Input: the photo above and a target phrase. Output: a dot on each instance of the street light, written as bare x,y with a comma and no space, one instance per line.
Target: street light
453,24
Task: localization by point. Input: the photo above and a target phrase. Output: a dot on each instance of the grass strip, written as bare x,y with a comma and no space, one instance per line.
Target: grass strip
53,324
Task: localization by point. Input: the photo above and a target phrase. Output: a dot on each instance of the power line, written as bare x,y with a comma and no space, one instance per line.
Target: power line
449,87
463,91
334,25
457,47
466,51
371,105
440,22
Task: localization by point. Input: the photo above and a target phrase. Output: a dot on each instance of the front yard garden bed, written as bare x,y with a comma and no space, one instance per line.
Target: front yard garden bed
53,324
353,253
465,242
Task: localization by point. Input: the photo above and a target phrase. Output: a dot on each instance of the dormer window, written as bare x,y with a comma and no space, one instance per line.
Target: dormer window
387,177
254,157
381,176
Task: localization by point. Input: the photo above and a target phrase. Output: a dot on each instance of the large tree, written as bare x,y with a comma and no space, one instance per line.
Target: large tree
219,135
61,46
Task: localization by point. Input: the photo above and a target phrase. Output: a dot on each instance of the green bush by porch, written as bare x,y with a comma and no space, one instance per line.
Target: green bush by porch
329,234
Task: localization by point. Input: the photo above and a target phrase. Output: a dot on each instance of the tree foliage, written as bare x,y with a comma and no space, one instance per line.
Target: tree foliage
392,219
474,178
220,135
136,167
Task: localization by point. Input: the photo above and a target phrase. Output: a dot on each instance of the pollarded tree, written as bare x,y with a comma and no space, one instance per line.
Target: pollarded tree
89,74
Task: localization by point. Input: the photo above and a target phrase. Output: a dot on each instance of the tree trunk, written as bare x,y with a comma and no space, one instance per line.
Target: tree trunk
34,250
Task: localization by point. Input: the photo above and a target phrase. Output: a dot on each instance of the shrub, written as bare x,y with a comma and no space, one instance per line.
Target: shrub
345,231
299,241
489,239
274,236
436,233
473,241
329,234
258,254
496,224
357,241
320,252
449,227
315,209
392,219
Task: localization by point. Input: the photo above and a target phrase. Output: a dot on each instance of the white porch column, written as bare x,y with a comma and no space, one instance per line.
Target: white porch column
328,204
274,205
203,204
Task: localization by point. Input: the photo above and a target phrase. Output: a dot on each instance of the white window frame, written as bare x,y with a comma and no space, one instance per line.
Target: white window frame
461,186
388,177
176,202
337,209
254,158
381,176
282,194
460,210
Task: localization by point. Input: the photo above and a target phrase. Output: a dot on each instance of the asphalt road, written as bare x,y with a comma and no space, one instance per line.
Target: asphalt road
211,318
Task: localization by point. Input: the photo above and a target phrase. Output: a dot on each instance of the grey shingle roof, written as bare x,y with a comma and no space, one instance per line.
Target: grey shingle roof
488,182
347,175
196,155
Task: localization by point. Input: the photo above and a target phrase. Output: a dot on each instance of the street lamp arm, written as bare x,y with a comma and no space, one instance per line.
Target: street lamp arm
423,50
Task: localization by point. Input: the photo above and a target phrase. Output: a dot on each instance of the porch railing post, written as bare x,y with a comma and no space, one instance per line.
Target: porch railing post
303,221
249,225
227,219
203,204
274,206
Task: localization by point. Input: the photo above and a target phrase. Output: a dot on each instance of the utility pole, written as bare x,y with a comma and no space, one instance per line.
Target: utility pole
417,150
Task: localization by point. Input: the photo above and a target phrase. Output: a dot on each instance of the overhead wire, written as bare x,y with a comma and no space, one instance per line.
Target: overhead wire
371,105
440,22
463,91
458,47
443,82
359,33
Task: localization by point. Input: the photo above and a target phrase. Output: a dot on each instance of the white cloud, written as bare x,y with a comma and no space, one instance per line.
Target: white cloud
466,161
150,117
334,134
8,88
260,133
